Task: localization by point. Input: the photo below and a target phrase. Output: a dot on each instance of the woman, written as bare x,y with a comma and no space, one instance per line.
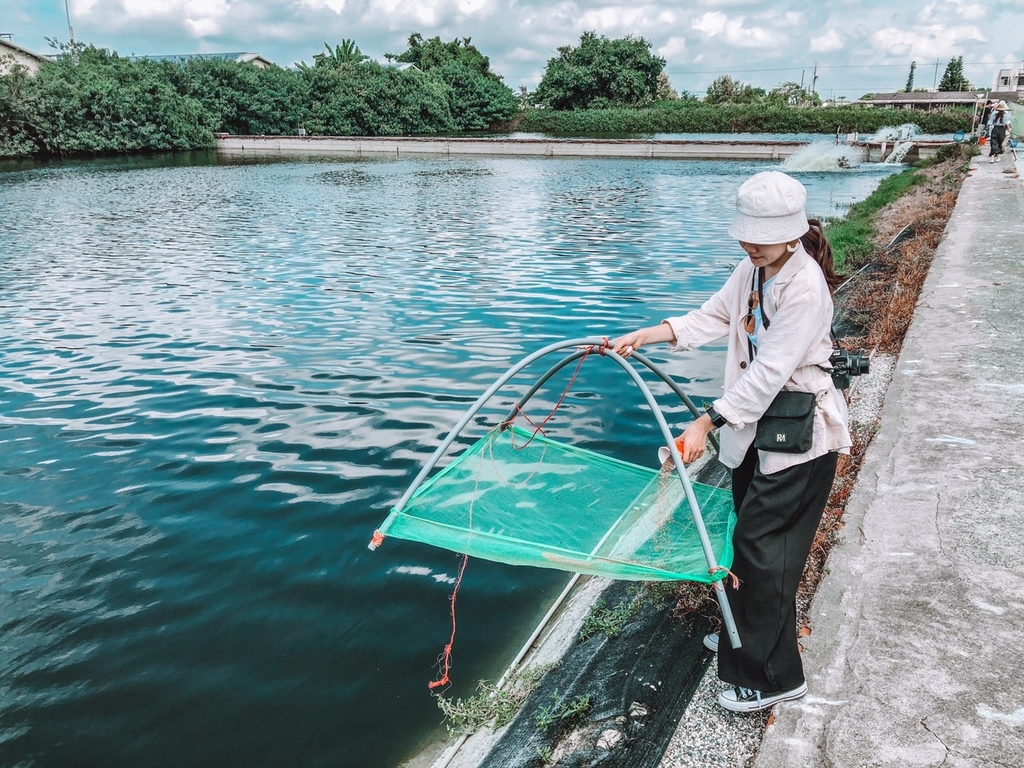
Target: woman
998,126
776,310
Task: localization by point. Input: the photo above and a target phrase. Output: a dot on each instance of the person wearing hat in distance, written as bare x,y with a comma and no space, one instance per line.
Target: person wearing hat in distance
998,127
780,341
986,111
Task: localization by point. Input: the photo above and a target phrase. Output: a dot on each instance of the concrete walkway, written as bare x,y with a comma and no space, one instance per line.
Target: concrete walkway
916,656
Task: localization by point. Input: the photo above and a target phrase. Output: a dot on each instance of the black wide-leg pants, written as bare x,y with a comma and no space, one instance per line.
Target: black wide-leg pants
777,518
995,140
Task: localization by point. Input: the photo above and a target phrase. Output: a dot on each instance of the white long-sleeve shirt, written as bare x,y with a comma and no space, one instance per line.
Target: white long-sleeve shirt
1007,119
799,309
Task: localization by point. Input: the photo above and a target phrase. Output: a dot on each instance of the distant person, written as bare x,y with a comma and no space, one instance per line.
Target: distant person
986,112
999,123
776,311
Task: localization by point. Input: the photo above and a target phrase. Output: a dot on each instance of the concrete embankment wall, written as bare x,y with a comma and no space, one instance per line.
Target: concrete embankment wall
403,146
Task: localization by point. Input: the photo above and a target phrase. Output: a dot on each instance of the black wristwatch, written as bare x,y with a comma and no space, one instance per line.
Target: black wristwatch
717,419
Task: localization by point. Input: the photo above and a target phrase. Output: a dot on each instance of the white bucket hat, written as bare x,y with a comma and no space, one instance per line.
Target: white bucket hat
770,210
1001,106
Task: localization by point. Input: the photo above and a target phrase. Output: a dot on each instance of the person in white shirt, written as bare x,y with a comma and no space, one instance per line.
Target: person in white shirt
999,123
776,311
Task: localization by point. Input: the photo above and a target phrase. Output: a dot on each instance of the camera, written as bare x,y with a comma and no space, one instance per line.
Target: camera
846,365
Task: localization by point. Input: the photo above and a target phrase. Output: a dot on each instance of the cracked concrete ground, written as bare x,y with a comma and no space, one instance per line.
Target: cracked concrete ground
916,656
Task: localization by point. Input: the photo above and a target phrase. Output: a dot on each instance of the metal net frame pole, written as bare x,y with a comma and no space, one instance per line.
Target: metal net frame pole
694,410
593,343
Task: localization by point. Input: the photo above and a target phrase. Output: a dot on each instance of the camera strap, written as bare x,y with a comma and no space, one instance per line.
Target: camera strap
757,280
760,298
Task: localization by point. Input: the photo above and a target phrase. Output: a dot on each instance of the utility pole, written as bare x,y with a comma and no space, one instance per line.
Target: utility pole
71,32
935,82
814,80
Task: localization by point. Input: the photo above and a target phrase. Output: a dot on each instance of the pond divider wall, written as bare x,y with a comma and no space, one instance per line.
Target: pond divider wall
405,145
400,146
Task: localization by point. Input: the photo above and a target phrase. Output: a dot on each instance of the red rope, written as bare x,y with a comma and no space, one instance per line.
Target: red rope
735,580
539,428
445,659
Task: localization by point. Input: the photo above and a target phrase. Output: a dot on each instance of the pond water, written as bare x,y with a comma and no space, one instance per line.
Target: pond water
217,377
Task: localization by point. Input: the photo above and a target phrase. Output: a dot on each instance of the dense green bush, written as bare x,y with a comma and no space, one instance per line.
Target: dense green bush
600,73
476,102
477,98
18,136
370,100
240,98
90,101
427,55
699,117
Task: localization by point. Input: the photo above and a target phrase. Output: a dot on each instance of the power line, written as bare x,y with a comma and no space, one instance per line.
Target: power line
784,69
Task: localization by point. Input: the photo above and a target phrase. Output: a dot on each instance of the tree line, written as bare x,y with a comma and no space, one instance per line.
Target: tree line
88,100
953,78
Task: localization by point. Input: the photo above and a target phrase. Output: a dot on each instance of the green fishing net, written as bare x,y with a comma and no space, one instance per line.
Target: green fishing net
527,500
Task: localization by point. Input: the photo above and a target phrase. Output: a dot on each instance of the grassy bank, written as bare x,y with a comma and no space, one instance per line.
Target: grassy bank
851,236
696,117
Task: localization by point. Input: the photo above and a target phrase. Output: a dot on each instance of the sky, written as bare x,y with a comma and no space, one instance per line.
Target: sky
852,46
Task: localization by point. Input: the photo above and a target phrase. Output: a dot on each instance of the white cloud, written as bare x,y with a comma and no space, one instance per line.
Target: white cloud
945,11
402,14
830,41
934,41
751,37
627,19
334,5
673,49
726,3
711,24
734,31
81,7
149,9
858,45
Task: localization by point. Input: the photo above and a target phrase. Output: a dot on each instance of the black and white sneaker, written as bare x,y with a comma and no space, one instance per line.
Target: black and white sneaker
748,700
711,642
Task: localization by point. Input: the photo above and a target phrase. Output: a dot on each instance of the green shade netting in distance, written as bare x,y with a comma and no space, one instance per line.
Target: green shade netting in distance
539,502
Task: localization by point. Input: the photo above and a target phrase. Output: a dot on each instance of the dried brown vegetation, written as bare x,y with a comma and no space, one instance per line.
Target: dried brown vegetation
883,298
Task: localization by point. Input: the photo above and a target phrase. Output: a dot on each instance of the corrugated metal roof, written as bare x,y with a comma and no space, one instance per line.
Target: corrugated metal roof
939,97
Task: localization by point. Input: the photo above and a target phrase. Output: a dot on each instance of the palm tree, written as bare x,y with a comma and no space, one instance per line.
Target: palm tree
345,53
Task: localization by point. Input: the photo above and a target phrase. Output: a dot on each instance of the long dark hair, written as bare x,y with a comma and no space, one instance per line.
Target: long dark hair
817,245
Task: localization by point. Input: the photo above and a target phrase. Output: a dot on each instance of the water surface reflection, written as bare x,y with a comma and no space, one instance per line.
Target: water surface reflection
217,377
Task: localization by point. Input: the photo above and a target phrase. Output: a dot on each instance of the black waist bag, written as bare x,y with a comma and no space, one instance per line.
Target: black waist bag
788,424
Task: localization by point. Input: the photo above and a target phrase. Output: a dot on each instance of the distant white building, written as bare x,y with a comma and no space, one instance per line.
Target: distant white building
13,54
1011,79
